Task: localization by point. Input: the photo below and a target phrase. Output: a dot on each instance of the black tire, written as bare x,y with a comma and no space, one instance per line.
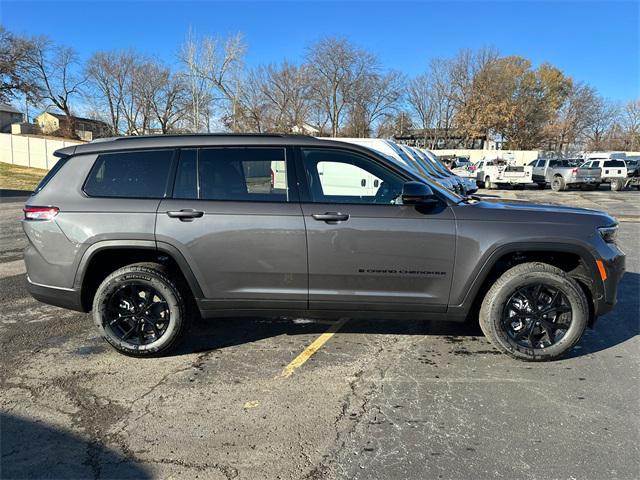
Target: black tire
528,275
487,183
542,186
617,184
557,184
167,328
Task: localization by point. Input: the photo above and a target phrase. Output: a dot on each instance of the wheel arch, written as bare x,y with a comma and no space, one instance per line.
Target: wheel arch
104,257
576,260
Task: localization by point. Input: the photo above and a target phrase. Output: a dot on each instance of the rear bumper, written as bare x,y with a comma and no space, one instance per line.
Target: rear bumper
585,180
60,297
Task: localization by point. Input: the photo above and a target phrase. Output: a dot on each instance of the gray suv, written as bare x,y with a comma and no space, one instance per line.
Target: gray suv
152,232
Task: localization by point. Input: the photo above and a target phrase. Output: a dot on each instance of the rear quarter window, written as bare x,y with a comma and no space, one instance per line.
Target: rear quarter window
137,174
51,173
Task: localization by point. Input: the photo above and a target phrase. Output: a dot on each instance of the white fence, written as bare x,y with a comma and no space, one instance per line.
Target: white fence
31,151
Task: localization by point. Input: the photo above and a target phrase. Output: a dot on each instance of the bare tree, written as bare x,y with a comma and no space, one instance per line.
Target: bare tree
604,115
287,90
373,96
220,65
55,70
169,101
336,68
421,100
199,87
108,75
631,124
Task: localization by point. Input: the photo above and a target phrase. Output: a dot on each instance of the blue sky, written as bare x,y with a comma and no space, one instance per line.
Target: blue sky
595,42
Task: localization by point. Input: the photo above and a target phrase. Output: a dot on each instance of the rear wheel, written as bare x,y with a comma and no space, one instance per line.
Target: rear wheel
487,183
617,184
534,312
140,310
557,184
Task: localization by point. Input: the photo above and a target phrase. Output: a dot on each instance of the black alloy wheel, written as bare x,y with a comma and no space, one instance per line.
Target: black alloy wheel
537,316
137,314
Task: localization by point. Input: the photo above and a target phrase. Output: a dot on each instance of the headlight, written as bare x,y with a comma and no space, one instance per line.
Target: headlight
609,234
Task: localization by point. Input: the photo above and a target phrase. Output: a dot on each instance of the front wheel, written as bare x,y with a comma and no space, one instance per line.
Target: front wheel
487,183
534,312
140,310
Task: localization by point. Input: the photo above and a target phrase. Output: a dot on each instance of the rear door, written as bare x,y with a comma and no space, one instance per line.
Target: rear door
239,225
366,250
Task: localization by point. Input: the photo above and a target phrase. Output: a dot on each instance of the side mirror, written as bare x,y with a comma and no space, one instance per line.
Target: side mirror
418,193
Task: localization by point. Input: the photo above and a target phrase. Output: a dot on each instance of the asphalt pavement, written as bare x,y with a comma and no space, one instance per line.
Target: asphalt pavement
377,400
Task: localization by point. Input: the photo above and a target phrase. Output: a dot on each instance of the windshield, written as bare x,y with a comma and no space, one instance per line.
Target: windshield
436,163
407,165
424,160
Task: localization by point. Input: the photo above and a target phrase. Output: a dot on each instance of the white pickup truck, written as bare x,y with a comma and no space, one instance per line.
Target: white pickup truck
498,172
614,171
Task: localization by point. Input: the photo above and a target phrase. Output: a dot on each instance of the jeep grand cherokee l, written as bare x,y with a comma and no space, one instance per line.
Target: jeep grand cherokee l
150,232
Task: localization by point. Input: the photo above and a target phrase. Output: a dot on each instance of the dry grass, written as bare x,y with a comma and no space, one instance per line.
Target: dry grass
14,177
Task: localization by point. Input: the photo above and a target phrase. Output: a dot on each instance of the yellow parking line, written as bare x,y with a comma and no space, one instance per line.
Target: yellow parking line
312,348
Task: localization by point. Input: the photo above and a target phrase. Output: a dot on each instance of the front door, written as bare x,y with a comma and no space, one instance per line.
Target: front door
237,222
366,250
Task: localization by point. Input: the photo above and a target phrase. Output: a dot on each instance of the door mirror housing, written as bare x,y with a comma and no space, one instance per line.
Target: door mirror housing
418,193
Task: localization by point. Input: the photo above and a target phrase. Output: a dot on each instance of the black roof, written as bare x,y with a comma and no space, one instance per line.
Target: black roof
200,140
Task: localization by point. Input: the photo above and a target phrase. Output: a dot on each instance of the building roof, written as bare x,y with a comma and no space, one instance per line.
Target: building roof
8,108
62,116
435,132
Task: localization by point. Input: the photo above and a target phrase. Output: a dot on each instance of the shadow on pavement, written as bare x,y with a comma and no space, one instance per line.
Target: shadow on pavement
213,334
9,196
36,450
618,326
210,334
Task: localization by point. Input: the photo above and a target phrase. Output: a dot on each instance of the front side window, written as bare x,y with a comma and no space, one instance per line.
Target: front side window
245,174
136,174
336,176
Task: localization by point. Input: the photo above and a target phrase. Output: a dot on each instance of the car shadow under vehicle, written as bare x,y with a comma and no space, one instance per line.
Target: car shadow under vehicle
212,334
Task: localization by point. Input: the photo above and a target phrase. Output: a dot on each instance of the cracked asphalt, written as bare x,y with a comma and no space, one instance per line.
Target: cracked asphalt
407,400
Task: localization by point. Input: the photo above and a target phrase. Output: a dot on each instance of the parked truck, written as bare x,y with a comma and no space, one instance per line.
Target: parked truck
614,171
499,172
563,173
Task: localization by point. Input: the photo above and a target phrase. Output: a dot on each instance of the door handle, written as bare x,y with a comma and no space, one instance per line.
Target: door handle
331,217
185,215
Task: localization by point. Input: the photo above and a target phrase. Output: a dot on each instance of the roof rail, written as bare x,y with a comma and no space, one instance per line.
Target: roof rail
175,135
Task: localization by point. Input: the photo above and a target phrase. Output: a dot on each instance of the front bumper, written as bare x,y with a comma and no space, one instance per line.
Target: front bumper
614,268
60,297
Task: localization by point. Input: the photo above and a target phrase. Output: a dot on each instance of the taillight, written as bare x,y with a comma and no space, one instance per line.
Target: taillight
574,172
40,213
273,179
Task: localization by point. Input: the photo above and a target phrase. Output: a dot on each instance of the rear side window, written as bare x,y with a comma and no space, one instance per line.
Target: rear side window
139,174
245,174
614,163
